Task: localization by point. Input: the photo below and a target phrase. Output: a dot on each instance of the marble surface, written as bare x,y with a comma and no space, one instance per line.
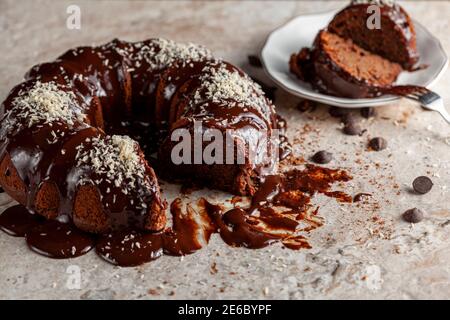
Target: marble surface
362,251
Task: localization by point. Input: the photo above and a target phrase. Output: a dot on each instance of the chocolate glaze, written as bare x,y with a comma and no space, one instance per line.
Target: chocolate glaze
17,221
401,90
263,224
128,248
279,211
59,240
131,247
181,239
236,231
419,67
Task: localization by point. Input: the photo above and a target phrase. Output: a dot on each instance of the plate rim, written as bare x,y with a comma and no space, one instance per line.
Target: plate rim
336,101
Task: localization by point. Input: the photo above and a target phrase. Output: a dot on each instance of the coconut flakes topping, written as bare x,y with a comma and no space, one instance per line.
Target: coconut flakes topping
160,53
389,3
227,88
171,51
116,158
45,103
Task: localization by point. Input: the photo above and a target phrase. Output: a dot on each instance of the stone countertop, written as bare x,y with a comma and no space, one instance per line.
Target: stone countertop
363,251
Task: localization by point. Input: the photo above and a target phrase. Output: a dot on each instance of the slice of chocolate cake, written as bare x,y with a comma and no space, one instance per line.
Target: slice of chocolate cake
349,59
394,38
342,68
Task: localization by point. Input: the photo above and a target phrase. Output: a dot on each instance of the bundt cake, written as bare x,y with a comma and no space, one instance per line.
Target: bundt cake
349,59
74,135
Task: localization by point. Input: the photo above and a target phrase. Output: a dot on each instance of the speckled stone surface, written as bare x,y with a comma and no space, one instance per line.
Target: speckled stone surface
363,251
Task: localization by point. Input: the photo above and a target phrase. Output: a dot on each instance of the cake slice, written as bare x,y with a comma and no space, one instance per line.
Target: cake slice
395,39
351,59
340,67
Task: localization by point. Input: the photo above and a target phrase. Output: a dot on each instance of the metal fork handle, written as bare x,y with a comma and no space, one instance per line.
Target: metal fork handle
406,91
443,112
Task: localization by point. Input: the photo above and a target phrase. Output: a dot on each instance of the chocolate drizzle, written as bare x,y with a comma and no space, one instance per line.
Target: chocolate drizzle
50,238
277,210
281,211
181,238
403,91
129,248
59,240
17,221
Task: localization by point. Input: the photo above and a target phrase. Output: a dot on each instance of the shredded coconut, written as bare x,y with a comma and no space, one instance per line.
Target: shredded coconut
229,88
171,51
389,3
116,158
44,103
160,53
222,84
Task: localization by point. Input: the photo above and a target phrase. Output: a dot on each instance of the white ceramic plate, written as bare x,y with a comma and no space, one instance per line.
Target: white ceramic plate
301,31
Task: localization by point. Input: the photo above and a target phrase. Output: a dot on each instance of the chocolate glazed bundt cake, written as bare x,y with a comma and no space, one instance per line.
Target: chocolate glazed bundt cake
349,59
74,133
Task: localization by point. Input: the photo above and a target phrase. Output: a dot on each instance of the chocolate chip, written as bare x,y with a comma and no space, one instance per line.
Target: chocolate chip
378,144
306,105
7,172
348,118
337,112
413,215
422,184
322,157
254,61
352,129
1,190
368,112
